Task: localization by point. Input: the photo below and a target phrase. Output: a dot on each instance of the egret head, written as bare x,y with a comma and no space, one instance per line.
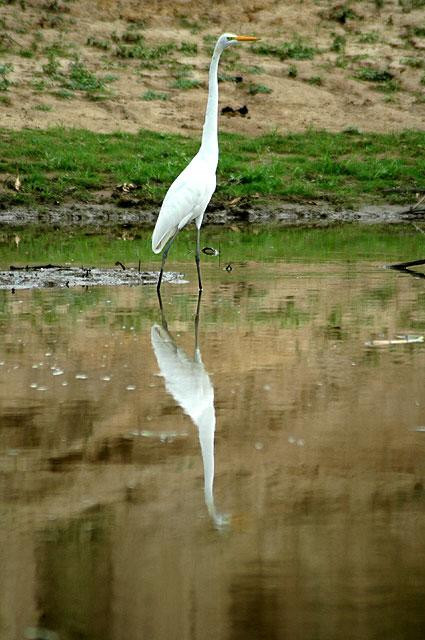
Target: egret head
227,39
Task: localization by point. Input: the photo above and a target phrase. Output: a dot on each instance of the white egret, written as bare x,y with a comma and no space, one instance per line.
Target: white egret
189,195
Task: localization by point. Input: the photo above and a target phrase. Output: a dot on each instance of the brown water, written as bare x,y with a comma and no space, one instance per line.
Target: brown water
123,516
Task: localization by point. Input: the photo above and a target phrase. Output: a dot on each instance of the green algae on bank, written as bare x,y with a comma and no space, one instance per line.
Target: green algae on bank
386,243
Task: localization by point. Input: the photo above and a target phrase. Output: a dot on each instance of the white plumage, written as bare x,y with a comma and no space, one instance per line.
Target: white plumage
186,200
189,195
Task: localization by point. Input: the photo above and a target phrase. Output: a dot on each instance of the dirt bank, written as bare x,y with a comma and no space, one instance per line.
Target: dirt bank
107,66
104,216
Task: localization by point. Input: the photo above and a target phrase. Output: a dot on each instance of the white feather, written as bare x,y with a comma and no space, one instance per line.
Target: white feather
191,191
186,200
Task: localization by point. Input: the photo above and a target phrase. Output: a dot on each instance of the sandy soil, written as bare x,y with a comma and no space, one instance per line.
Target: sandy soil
324,93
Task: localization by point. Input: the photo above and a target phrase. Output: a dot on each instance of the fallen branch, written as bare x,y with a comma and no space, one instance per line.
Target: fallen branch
38,266
405,265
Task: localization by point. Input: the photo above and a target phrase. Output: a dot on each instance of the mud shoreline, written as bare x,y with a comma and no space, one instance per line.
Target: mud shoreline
104,216
66,276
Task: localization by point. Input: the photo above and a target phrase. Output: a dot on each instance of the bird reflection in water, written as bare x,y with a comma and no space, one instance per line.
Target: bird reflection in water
189,384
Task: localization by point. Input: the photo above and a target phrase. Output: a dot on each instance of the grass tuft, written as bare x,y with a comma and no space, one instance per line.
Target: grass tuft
414,62
184,83
254,89
369,37
315,81
154,95
144,52
188,48
369,74
296,50
338,44
5,82
77,78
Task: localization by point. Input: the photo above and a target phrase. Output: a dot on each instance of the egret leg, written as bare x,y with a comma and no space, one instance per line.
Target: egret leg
164,257
198,308
161,308
198,256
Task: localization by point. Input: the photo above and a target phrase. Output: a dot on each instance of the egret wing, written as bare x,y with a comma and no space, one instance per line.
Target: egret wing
185,200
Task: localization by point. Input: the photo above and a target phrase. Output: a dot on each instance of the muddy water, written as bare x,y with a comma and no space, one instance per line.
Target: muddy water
267,484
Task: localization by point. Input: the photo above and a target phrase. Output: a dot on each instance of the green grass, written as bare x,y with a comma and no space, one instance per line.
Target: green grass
141,51
192,25
184,83
295,49
81,79
343,168
388,87
315,81
98,43
413,61
385,80
417,30
154,95
349,242
188,48
77,77
26,53
373,75
5,83
341,13
254,88
411,5
60,48
42,107
253,69
369,37
338,43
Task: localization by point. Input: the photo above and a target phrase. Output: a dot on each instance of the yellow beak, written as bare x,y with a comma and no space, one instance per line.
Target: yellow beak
246,38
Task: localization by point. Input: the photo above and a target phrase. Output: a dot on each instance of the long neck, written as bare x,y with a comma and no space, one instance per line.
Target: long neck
209,144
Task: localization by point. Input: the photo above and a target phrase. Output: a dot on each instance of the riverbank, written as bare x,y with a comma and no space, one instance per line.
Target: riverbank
106,216
319,170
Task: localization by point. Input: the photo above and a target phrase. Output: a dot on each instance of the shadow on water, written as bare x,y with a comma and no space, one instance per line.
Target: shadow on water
190,386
